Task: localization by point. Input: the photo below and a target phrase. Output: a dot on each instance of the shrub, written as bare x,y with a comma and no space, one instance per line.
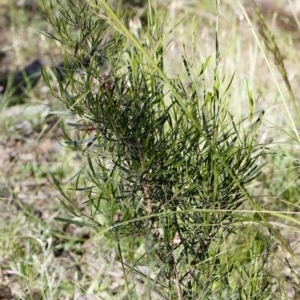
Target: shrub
167,164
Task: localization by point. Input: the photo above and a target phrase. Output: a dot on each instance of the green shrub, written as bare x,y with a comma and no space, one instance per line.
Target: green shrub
167,164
